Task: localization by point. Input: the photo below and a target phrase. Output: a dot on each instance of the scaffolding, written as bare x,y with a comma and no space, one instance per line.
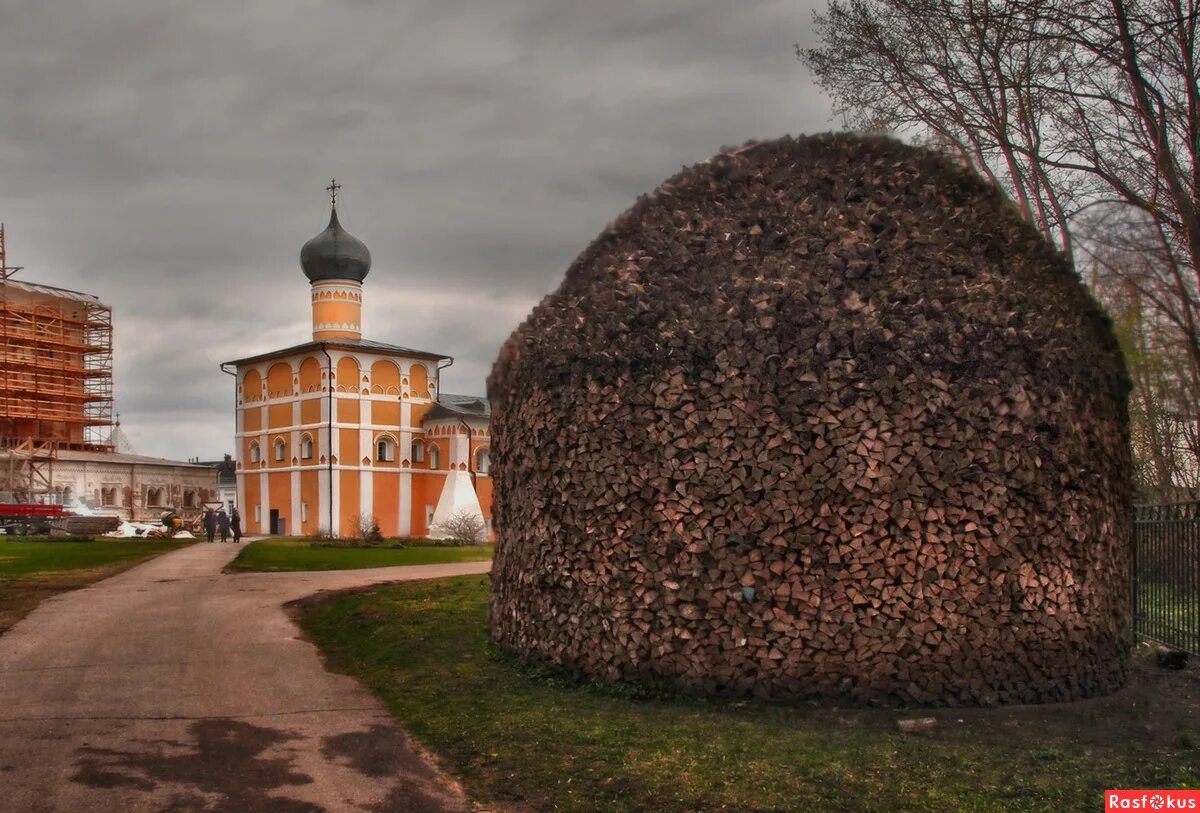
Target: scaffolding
55,377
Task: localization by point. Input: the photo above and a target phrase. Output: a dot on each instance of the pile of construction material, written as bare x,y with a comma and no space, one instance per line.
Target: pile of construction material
818,418
149,530
87,524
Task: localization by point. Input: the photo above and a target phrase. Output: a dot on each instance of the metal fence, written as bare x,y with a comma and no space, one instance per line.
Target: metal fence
1166,574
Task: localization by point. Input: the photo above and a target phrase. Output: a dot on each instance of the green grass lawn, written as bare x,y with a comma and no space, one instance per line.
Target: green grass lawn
518,735
34,570
283,554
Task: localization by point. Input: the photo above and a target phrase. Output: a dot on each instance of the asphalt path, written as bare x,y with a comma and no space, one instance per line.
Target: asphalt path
175,687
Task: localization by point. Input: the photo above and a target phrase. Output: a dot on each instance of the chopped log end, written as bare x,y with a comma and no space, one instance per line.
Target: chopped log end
918,724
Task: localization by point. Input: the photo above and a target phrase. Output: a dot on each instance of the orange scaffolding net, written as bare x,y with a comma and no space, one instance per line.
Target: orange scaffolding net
55,366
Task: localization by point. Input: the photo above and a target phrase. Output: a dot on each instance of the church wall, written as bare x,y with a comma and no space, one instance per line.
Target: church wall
349,454
385,378
346,377
279,416
252,387
247,442
310,493
268,451
351,506
427,488
280,485
279,381
385,413
252,485
387,501
347,409
418,413
310,411
252,419
418,381
310,375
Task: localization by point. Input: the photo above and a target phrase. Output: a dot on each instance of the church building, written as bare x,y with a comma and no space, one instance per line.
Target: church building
341,429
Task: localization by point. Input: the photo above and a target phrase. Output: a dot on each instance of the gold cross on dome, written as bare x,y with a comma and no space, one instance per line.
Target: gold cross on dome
332,189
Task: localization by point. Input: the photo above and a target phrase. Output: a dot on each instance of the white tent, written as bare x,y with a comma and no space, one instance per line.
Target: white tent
458,496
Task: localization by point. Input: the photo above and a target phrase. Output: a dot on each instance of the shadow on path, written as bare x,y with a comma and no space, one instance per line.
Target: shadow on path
383,751
224,772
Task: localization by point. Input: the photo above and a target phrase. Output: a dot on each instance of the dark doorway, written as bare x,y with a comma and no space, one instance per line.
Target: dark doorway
275,529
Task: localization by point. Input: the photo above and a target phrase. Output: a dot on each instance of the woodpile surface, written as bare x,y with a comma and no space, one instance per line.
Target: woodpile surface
820,417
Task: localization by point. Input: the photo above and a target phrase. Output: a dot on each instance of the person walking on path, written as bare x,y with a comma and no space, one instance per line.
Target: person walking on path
235,522
223,524
210,523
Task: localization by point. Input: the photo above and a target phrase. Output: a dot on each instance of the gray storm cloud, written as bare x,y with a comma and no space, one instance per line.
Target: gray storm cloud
170,157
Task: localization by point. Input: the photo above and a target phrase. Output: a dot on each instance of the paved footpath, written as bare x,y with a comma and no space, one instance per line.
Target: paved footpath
175,687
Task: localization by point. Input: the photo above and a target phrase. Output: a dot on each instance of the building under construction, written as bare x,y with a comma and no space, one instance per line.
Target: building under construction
56,352
56,404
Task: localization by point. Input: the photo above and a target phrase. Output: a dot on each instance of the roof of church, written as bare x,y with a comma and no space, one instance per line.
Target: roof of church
343,344
460,406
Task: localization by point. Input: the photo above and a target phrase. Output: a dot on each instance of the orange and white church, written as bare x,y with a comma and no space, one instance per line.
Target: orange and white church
341,428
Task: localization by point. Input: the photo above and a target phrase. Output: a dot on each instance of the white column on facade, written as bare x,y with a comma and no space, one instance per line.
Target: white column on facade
366,492
293,522
239,462
323,452
334,511
264,525
366,448
405,453
405,503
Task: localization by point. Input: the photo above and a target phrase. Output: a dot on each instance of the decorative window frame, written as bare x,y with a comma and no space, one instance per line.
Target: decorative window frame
387,445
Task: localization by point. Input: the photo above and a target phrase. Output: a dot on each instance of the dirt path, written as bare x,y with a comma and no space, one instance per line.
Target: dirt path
174,687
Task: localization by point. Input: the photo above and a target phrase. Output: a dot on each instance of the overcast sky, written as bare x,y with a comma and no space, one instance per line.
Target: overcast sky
171,158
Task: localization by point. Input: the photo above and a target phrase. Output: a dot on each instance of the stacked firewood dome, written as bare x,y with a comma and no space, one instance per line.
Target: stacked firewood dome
819,417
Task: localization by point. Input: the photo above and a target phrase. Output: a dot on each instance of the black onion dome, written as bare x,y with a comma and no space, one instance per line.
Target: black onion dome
335,254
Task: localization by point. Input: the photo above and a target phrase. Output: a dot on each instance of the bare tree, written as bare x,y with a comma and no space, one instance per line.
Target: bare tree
368,528
464,528
1086,111
1163,415
967,75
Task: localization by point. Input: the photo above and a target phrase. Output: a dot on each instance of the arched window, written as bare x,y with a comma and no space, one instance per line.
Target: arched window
385,449
108,496
189,499
418,451
255,454
482,461
280,449
434,457
306,447
154,497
